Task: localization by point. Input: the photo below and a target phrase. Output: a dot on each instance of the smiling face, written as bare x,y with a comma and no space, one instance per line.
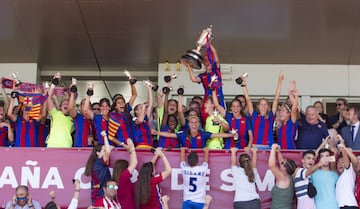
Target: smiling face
311,115
194,123
64,106
172,107
263,107
172,122
308,160
120,104
236,107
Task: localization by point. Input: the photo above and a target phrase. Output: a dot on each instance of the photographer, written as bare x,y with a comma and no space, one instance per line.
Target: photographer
22,200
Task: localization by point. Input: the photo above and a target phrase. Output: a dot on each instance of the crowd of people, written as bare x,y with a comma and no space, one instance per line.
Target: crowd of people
206,123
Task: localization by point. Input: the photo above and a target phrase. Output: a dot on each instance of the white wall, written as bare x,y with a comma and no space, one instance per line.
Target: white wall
27,72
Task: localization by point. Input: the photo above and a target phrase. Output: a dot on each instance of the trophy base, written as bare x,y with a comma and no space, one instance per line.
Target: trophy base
192,58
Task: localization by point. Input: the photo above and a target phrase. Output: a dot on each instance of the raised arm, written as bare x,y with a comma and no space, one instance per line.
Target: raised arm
166,111
294,108
193,78
249,103
277,93
72,110
182,154
354,160
181,114
133,94
108,148
216,56
133,159
150,102
221,110
6,99
345,155
50,102
87,109
206,154
233,155
167,165
10,110
279,176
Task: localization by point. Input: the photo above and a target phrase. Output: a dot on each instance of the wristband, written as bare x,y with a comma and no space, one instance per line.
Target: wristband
133,81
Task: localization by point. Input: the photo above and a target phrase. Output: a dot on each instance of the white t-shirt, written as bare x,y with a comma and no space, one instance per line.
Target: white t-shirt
194,182
345,187
244,190
301,184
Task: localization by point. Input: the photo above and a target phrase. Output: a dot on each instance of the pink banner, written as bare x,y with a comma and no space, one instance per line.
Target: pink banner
44,170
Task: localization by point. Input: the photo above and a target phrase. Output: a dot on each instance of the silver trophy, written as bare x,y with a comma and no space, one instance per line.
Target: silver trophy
14,75
193,57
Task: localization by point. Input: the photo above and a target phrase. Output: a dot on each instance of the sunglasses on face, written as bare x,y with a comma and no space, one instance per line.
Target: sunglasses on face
114,187
21,198
339,105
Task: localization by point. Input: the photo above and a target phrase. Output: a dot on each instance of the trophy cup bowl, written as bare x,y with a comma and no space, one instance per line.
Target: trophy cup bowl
17,82
193,57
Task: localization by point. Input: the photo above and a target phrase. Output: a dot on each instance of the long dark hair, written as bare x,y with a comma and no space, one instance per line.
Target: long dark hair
91,160
245,163
144,190
126,112
119,167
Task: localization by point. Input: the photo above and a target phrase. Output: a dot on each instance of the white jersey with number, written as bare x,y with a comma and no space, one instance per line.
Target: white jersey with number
194,181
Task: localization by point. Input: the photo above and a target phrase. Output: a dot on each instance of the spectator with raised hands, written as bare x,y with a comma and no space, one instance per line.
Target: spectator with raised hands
22,199
238,123
169,123
148,192
245,176
83,132
121,114
97,166
122,174
264,118
288,121
142,113
194,179
345,185
100,121
283,190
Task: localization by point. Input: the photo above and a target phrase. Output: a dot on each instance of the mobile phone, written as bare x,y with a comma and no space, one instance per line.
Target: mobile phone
153,150
332,159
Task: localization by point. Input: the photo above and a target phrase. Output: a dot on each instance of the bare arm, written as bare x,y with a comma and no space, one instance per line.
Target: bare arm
279,176
181,114
108,148
294,108
249,103
6,99
193,78
182,154
206,154
251,138
159,99
216,56
87,109
254,156
233,155
133,159
166,111
10,132
10,110
72,110
133,95
50,102
164,134
167,165
221,110
150,102
277,93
